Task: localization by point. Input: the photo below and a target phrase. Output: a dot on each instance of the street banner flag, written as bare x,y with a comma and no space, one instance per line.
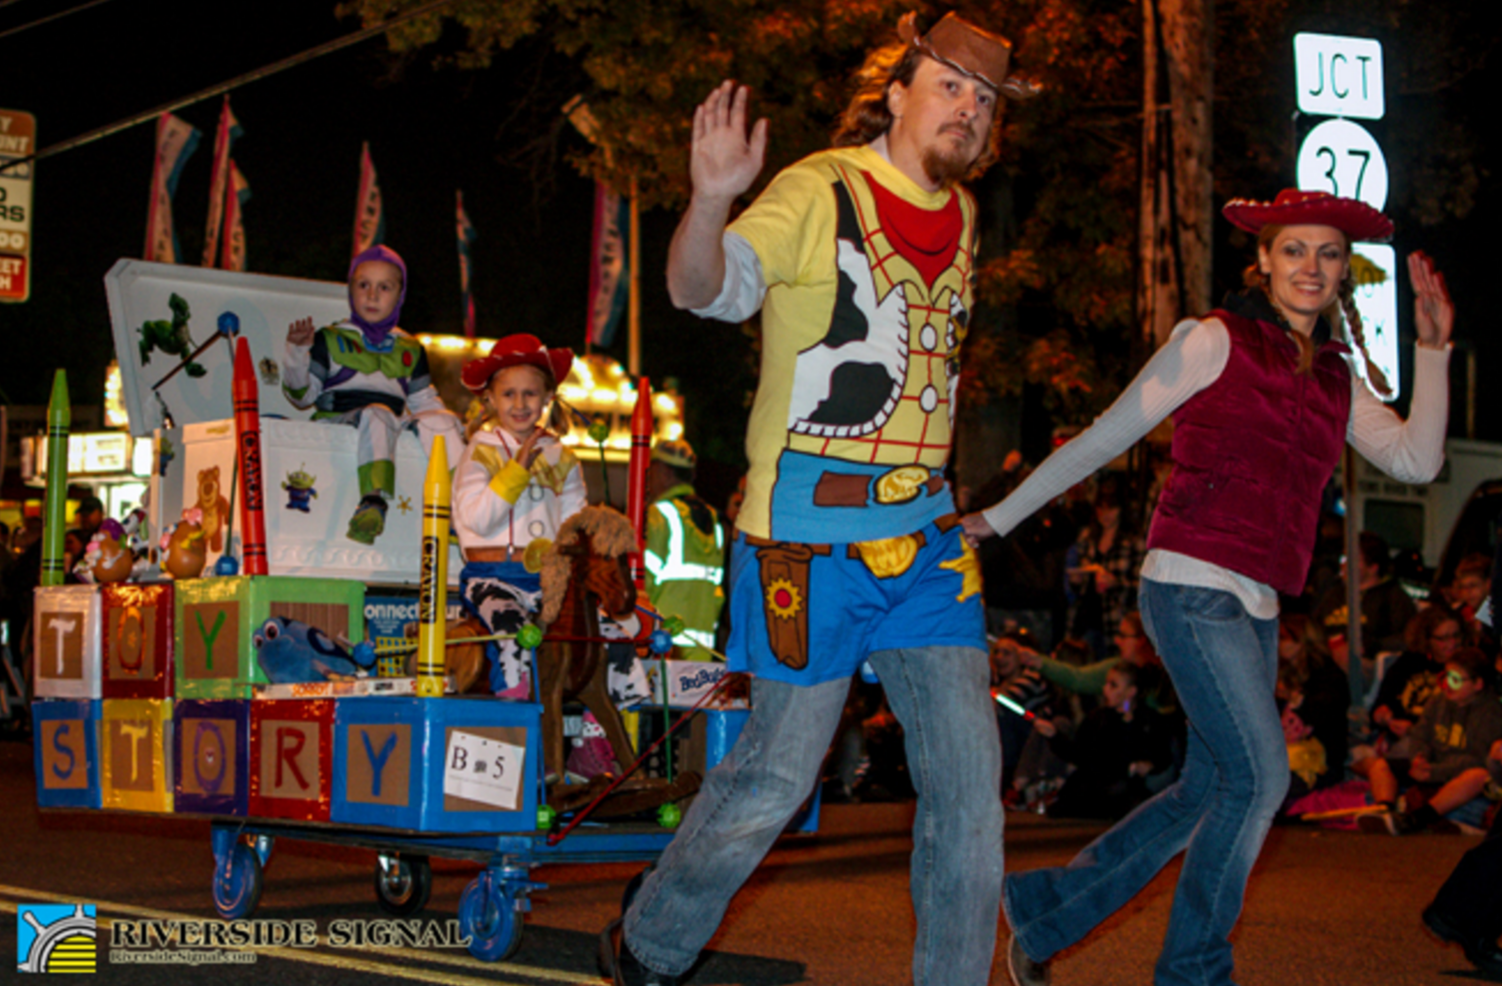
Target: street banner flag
370,219
175,143
233,257
608,276
466,231
229,129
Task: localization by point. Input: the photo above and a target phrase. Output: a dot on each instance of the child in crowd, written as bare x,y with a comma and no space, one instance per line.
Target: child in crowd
1113,751
1023,688
1313,695
515,485
1453,744
366,372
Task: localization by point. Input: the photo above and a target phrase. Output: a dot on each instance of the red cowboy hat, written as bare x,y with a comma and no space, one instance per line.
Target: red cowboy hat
516,350
1292,207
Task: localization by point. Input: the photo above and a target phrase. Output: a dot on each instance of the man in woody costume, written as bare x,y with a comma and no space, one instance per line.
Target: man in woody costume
860,259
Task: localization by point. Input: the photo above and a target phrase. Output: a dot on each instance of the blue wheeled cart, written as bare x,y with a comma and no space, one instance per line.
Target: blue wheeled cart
491,907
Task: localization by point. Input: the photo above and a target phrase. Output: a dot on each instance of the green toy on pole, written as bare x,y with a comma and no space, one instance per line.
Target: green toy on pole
55,521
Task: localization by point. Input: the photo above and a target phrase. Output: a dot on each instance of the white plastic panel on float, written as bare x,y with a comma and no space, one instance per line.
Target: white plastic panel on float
308,464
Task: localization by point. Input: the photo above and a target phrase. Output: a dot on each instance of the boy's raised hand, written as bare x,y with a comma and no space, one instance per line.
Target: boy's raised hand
300,332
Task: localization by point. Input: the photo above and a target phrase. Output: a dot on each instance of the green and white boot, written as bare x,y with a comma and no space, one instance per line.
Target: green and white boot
369,519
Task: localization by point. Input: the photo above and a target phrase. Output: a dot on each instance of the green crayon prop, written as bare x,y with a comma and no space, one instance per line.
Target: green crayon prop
55,521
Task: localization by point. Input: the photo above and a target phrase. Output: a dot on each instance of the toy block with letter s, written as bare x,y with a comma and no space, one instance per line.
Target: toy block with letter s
66,752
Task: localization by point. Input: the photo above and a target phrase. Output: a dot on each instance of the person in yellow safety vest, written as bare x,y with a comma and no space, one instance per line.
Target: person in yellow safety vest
685,554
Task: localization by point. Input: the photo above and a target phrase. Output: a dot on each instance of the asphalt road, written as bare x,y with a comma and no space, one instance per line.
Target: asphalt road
1324,907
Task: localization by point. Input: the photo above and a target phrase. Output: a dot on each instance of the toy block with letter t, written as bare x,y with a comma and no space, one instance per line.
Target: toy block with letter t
136,763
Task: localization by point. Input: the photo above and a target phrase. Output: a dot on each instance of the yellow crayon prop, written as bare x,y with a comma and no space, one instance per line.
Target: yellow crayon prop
435,572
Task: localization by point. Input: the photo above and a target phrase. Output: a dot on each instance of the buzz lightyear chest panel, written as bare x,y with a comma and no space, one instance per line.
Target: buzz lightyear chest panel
878,388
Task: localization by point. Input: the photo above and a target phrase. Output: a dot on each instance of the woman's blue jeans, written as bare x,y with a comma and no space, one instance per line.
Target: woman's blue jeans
942,698
1224,666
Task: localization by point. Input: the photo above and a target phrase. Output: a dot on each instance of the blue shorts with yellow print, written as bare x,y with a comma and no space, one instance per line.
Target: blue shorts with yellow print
811,613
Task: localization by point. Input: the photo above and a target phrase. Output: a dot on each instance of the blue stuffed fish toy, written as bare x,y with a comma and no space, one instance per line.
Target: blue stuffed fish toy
290,651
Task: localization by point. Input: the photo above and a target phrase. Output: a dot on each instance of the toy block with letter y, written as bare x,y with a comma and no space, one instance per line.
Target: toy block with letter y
221,623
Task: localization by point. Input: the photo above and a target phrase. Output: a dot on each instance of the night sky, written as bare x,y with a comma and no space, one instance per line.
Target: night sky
431,130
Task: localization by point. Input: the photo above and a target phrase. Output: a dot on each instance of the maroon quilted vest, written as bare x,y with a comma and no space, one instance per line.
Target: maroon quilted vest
1251,456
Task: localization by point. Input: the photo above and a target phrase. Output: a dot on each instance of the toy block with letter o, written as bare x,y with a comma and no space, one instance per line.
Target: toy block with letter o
66,752
211,754
291,758
67,642
436,764
137,640
224,647
136,761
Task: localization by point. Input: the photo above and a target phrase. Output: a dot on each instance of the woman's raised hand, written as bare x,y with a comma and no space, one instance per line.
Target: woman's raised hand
1433,312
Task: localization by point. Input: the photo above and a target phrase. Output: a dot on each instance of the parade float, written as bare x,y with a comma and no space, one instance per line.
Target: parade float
231,673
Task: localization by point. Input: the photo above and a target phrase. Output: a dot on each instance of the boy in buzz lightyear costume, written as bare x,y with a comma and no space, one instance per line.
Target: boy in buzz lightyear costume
366,372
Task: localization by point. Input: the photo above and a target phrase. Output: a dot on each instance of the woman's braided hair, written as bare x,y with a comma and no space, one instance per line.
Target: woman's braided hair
1342,309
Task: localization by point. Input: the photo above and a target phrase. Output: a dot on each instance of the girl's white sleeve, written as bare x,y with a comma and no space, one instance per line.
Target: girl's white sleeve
1412,450
487,485
1191,360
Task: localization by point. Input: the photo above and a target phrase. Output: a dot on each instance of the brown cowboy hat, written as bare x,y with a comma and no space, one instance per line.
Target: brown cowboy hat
1293,207
516,350
969,49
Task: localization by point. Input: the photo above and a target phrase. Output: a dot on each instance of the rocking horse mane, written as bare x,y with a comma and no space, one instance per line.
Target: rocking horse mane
610,534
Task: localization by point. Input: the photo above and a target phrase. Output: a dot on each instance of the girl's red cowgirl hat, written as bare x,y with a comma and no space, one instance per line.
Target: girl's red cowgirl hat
516,350
1293,207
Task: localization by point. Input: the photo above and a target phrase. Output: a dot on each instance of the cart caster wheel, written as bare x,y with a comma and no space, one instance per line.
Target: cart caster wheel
402,884
489,919
237,883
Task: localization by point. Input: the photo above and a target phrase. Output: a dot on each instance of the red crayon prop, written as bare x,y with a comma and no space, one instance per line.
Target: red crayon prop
636,474
248,448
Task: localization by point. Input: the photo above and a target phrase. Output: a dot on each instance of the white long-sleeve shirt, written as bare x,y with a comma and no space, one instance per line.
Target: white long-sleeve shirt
1194,358
499,504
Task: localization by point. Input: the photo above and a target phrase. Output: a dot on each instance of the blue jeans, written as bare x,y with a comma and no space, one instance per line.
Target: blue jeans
941,697
1224,666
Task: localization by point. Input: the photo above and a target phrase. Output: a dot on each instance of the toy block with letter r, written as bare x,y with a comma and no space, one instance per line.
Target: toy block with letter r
291,758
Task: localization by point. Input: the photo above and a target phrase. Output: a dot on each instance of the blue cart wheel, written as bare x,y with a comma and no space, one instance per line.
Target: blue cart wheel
237,883
488,917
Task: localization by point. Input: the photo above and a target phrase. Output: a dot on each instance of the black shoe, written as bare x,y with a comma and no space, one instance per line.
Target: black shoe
1481,952
623,968
1024,971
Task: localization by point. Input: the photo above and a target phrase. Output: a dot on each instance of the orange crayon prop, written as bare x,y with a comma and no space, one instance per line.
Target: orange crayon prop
248,449
636,475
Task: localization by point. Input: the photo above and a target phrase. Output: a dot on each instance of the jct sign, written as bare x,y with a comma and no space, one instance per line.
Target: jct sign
17,140
1339,76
